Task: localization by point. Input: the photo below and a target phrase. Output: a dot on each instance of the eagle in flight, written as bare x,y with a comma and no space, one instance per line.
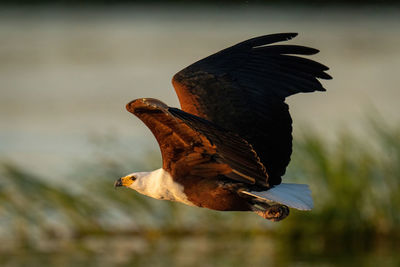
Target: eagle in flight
228,146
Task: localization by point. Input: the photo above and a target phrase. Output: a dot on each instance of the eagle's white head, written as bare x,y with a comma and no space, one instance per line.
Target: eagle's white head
138,181
157,184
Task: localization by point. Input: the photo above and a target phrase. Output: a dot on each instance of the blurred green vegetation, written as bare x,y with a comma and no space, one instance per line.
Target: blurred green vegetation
356,220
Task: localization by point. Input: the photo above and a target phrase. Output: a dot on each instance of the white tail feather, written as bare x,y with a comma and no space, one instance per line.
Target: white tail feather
296,196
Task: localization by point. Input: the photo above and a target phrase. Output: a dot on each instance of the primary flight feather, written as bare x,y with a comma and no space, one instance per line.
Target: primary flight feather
228,146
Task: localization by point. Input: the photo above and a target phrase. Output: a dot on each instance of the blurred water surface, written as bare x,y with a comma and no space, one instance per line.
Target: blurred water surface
66,74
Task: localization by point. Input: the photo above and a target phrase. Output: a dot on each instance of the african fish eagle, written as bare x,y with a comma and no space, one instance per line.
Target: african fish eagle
229,145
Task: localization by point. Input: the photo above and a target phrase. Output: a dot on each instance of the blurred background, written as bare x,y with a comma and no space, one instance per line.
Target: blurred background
67,69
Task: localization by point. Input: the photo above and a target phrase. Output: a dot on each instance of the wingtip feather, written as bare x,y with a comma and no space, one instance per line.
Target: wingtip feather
267,39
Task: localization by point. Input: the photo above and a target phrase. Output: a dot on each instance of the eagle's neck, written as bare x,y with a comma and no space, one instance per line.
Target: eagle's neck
159,184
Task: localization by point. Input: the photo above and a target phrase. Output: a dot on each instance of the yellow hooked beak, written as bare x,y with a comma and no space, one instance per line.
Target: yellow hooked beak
125,181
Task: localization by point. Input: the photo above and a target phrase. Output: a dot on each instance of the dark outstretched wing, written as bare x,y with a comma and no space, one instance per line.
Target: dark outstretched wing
243,88
231,149
193,146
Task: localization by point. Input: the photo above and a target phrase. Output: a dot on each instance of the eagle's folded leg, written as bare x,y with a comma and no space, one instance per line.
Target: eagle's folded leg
275,213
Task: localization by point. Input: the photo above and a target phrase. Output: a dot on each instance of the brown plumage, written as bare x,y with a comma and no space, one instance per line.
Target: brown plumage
233,135
189,157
